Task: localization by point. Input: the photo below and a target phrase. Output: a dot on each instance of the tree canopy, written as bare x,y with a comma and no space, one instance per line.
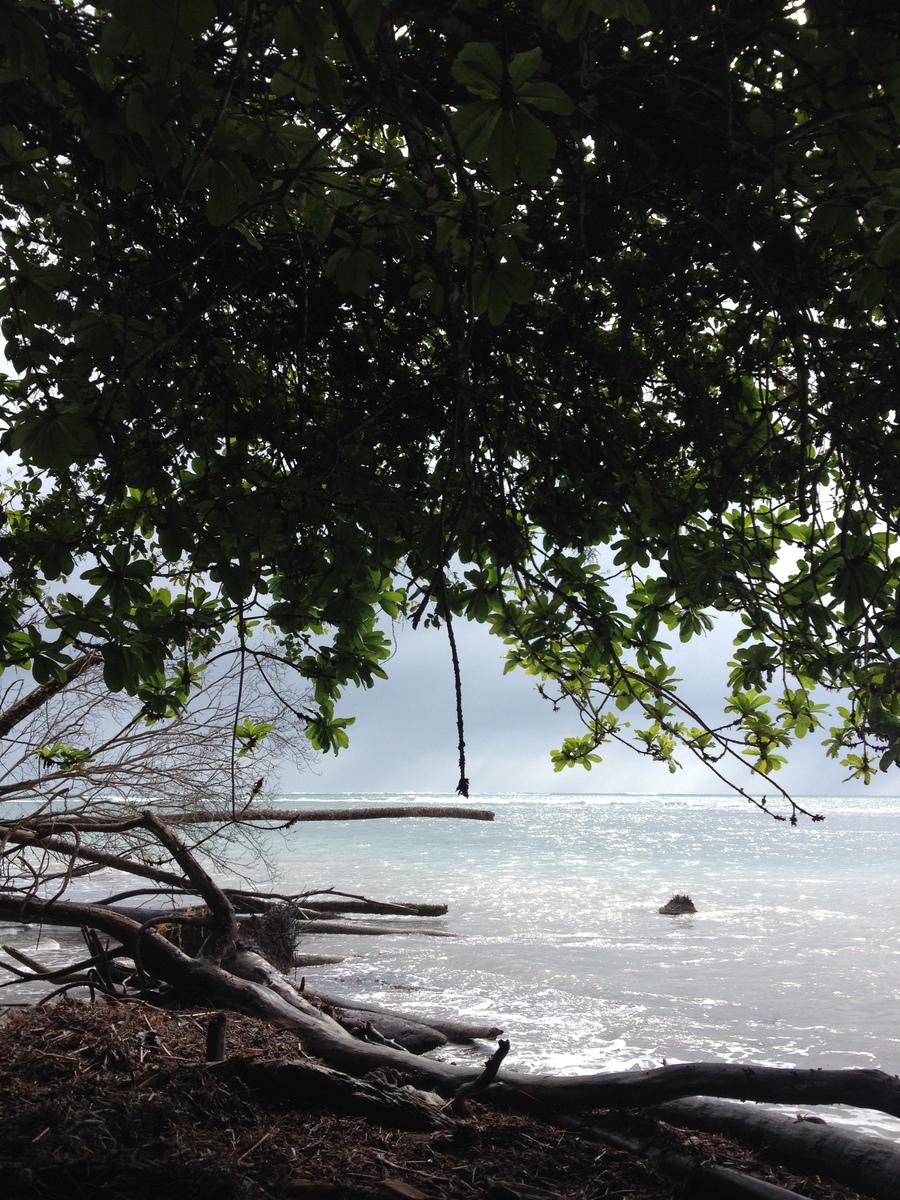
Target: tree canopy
576,317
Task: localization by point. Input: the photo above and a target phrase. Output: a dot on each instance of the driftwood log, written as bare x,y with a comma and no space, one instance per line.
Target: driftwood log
413,1036
385,908
801,1144
705,1180
308,1085
51,824
306,926
460,1032
351,927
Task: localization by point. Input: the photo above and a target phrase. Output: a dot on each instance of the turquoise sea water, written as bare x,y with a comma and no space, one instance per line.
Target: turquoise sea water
791,959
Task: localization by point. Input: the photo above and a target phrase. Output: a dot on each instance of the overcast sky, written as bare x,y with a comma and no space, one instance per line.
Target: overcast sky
404,739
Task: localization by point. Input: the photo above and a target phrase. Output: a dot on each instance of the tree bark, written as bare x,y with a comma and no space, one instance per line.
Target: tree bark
224,926
870,1164
382,907
247,964
460,1032
859,1087
47,824
351,927
705,1181
38,697
308,1085
23,837
413,1036
304,927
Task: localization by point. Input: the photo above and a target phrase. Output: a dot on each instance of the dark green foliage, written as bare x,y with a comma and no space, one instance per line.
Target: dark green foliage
578,319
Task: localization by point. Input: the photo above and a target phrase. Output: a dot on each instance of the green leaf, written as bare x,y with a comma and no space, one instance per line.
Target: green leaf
479,68
12,143
502,150
535,147
547,97
353,269
474,126
224,195
114,674
889,247
365,17
570,16
165,30
53,440
522,67
498,288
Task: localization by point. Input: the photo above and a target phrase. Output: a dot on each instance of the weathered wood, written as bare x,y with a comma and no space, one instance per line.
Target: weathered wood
223,926
413,1036
453,1030
317,960
474,1087
46,824
857,1087
215,1038
247,964
351,927
74,972
869,1164
308,1085
314,925
704,1180
372,907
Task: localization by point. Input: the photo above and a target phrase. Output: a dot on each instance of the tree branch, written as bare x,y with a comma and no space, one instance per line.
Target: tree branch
37,698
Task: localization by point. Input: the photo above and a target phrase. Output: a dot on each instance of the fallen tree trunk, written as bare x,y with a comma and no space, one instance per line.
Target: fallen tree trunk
308,1085
350,927
871,1164
858,1087
453,1030
373,907
414,1036
304,926
258,903
47,824
410,1035
706,1180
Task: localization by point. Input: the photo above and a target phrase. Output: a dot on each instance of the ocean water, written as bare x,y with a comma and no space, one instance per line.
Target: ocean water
792,958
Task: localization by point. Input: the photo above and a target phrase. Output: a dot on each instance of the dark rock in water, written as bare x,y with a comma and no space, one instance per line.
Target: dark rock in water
678,905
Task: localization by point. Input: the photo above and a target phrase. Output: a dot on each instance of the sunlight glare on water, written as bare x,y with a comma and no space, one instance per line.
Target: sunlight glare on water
791,959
